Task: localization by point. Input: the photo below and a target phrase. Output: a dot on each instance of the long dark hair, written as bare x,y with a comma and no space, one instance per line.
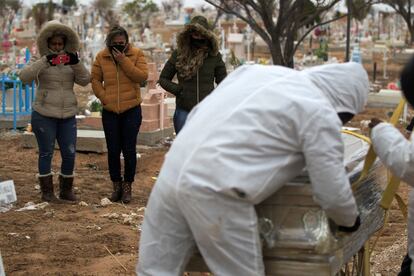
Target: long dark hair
115,30
407,81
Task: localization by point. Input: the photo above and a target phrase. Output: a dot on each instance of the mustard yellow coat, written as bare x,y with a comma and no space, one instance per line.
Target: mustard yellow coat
117,85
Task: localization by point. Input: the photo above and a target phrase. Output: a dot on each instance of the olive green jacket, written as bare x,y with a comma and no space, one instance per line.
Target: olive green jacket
190,92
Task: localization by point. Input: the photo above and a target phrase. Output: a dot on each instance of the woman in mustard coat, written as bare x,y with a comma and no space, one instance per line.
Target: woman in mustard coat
117,74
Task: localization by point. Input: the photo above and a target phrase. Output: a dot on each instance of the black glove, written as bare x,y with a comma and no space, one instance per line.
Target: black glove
352,228
73,58
410,127
51,59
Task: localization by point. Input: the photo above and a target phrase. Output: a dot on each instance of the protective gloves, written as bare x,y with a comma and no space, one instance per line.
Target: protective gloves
51,59
55,59
352,228
73,58
66,59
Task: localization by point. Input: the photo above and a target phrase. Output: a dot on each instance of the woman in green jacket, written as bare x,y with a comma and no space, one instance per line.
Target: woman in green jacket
197,64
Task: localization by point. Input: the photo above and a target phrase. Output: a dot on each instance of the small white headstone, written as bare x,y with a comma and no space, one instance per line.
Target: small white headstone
235,38
7,192
2,273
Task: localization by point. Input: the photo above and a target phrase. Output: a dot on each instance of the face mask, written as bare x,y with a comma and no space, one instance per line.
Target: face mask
56,52
120,48
198,43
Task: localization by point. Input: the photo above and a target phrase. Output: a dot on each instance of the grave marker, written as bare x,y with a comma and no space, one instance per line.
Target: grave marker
7,192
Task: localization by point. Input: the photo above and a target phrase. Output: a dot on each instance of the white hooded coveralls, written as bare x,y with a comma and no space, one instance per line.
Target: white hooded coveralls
252,135
397,153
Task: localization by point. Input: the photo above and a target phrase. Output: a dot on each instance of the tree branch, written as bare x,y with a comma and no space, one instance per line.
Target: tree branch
313,27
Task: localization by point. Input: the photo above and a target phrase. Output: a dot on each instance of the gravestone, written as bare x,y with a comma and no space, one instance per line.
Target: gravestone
2,273
7,193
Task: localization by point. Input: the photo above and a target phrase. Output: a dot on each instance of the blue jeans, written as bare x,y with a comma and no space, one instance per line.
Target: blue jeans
47,130
121,132
180,116
406,266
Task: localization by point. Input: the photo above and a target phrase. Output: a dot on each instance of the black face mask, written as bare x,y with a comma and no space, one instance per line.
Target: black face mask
198,43
120,48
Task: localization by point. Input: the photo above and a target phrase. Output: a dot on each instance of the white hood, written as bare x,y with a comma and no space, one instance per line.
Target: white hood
347,94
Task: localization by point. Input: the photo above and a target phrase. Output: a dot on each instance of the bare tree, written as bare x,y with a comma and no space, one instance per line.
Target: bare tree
8,10
105,10
217,18
69,3
41,13
278,22
141,11
403,8
171,6
13,5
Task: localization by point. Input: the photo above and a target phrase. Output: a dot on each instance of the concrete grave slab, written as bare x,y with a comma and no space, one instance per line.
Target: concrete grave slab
385,98
6,121
151,138
88,140
94,140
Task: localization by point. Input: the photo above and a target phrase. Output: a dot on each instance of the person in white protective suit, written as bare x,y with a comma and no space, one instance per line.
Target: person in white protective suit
259,129
397,153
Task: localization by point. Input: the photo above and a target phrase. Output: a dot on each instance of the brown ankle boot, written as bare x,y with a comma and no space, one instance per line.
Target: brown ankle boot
46,186
117,193
126,192
65,186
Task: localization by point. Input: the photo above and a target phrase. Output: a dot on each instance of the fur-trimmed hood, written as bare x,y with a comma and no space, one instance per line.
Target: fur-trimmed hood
199,24
55,27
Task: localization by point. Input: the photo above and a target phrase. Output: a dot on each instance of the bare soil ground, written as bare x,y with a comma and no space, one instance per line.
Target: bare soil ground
64,239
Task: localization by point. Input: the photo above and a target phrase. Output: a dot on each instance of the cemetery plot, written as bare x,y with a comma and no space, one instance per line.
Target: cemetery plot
62,239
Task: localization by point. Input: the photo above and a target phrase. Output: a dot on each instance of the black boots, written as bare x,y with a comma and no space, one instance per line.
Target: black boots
126,192
46,186
122,192
117,193
65,186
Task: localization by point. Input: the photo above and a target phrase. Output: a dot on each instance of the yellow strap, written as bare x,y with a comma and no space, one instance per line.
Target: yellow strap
379,232
390,192
366,271
397,112
360,136
402,206
392,187
369,160
371,155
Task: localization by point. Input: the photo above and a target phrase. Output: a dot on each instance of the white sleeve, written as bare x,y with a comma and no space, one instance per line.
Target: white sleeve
394,150
324,153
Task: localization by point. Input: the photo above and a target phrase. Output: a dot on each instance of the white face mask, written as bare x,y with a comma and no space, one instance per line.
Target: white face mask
56,52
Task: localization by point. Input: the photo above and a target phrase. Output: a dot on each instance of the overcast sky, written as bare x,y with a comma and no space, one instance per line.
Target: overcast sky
186,2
